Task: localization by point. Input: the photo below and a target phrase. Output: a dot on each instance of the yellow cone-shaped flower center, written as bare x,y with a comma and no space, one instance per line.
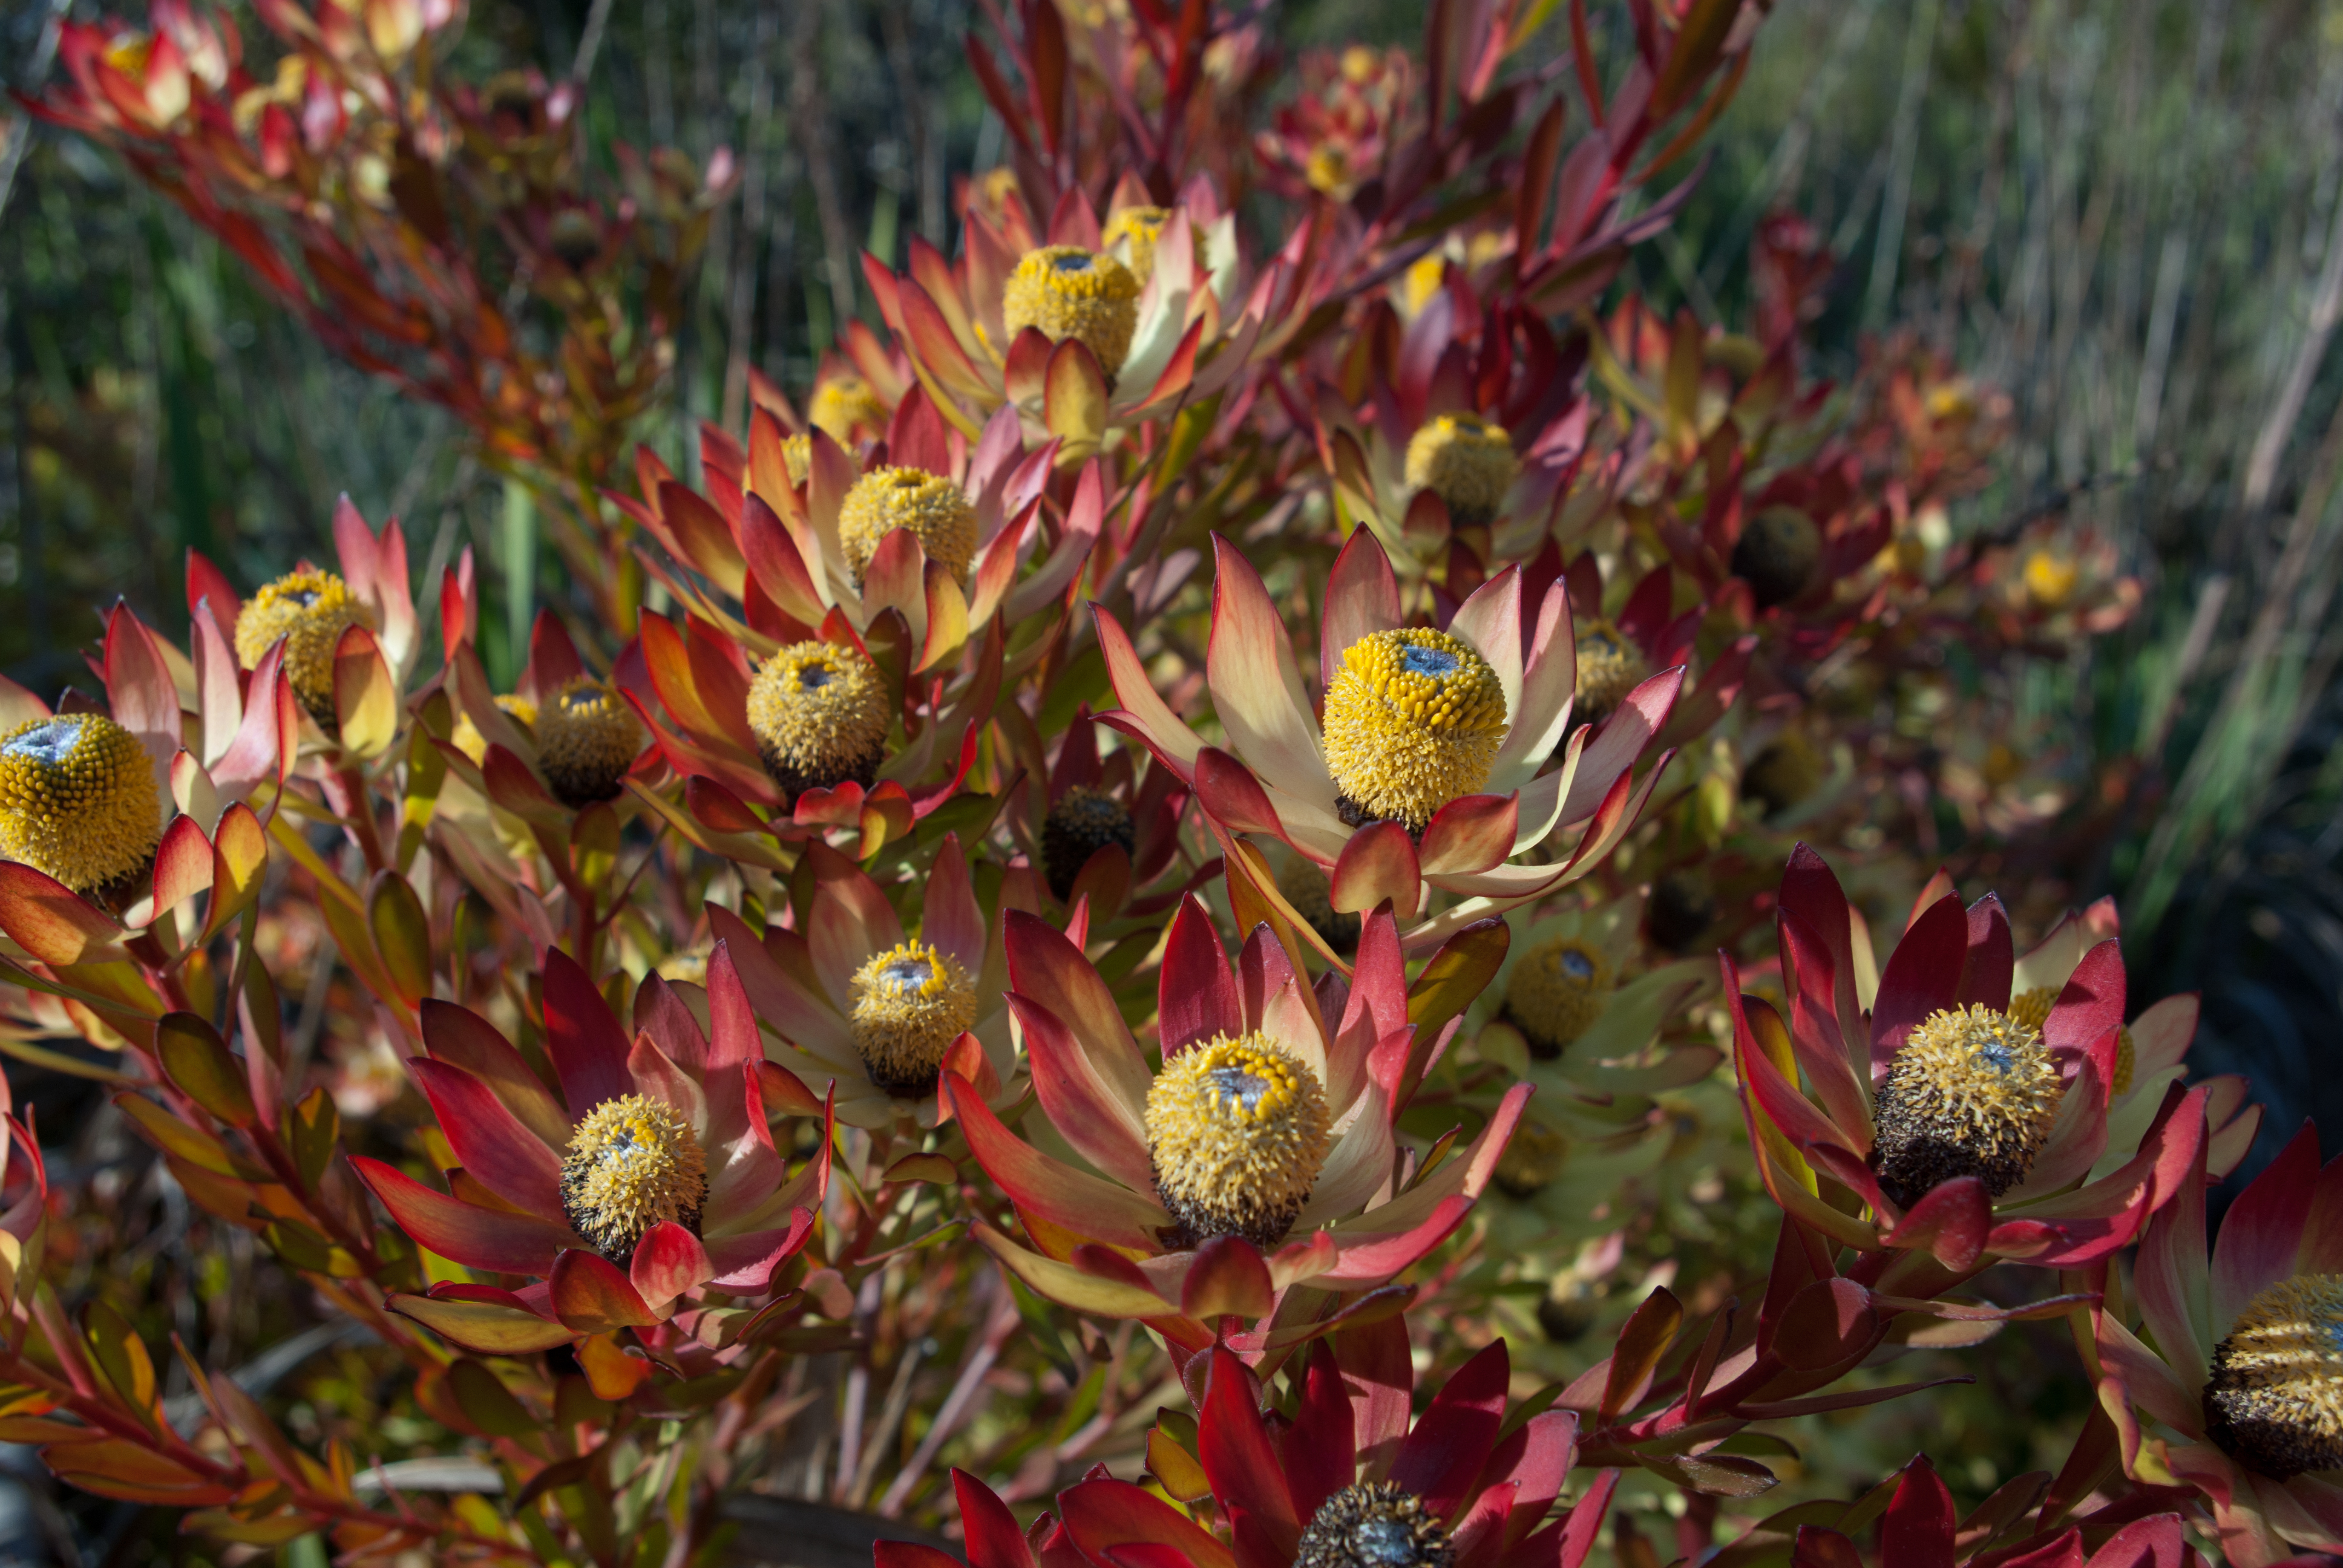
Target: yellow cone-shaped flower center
2032,1009
77,800
841,405
1237,1129
1414,720
1609,666
585,739
935,510
797,456
2275,1400
910,1003
1467,461
1375,1524
632,1163
1065,291
819,712
1558,991
1971,1093
307,612
1138,228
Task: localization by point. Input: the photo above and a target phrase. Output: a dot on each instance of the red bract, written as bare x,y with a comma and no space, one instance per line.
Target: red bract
1351,1233
514,1138
1348,1454
1949,962
1920,1529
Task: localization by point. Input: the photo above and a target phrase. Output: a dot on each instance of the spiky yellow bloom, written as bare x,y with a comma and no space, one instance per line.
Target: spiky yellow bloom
1972,1093
586,737
1414,720
1786,772
1609,666
1558,991
1138,227
632,1163
1237,1130
1307,889
2275,1400
2050,578
844,404
797,456
910,1003
307,612
2032,1009
1467,461
77,800
1375,1524
467,738
1328,169
1777,554
932,506
1067,292
819,712
1421,282
1083,821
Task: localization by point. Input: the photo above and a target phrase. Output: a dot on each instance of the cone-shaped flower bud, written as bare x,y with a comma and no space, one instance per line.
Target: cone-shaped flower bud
1971,1093
2275,1400
929,505
2032,1009
1414,720
632,1163
1068,292
1556,992
307,612
841,405
586,737
77,800
1467,461
1236,1130
1139,227
1373,1524
1777,553
819,712
1609,666
910,1003
1307,889
1083,821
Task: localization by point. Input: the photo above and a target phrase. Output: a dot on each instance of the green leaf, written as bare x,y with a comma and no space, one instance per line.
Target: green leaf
486,1402
314,1130
121,1356
402,935
199,1063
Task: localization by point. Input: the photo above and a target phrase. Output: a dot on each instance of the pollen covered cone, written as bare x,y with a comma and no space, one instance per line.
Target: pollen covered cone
933,507
307,612
1084,820
1609,666
1972,1093
841,405
2032,1009
910,1003
1067,292
77,800
1264,1131
586,738
1556,992
2275,1401
1467,461
1139,229
1414,720
1236,1132
819,712
467,737
1350,1481
645,1174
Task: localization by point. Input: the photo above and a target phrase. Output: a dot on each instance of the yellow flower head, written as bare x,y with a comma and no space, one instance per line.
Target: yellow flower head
586,737
307,612
1237,1129
77,800
843,404
1972,1093
910,1003
1375,1524
1414,720
934,508
1609,666
819,712
632,1163
2050,578
1067,292
1139,227
1084,821
467,737
2275,1400
2032,1009
1467,461
797,456
1558,991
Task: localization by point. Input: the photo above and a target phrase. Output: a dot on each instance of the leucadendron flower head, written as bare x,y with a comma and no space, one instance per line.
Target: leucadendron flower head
1963,1132
648,1184
1253,1158
1424,774
77,800
878,1013
2230,1381
1103,830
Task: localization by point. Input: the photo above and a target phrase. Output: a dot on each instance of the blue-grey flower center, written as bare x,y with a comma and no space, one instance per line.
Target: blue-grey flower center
814,677
906,974
1432,661
1237,1084
48,744
1577,965
1071,263
1384,1541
